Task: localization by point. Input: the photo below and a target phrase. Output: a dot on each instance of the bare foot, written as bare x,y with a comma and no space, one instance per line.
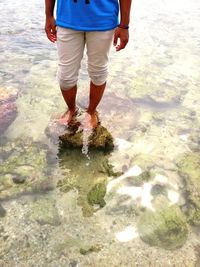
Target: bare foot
67,117
90,121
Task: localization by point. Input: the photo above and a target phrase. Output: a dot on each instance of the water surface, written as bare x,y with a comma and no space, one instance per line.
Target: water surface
151,107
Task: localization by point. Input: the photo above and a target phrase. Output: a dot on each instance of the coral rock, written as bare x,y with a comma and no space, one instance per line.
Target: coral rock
165,228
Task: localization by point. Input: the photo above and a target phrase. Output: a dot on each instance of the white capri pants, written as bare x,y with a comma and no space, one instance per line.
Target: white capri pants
70,46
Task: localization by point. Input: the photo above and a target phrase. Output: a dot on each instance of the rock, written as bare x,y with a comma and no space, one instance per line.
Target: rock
18,179
158,189
97,194
107,168
2,211
140,179
25,169
44,212
75,137
189,169
95,248
8,108
166,228
73,263
100,138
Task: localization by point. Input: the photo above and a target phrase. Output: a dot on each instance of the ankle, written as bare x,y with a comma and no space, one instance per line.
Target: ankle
91,111
72,109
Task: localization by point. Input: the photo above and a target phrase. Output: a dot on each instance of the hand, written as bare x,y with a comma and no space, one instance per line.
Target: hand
123,36
50,29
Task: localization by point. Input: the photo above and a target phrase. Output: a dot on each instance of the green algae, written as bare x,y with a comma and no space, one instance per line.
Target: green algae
166,228
108,169
189,169
94,248
96,195
100,137
2,211
144,161
140,179
158,189
88,195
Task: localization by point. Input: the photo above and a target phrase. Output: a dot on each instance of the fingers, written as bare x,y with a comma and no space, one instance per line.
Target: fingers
50,29
116,36
121,45
51,34
122,36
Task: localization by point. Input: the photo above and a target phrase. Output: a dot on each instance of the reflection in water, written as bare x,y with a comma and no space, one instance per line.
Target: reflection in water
146,192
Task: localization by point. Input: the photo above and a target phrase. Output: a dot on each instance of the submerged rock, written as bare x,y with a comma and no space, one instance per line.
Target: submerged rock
140,179
18,179
189,169
85,178
158,189
44,212
91,192
2,211
95,248
108,169
8,108
166,228
97,194
24,170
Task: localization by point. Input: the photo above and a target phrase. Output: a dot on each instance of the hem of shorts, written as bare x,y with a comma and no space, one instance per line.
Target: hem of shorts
65,25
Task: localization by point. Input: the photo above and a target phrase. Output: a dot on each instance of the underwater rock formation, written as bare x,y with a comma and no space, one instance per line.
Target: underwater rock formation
8,108
91,192
189,169
96,195
2,211
24,168
94,248
166,228
44,212
140,179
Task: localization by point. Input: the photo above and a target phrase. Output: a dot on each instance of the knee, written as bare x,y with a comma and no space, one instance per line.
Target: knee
66,83
98,75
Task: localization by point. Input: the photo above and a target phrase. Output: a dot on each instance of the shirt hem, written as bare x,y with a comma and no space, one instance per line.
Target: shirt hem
88,29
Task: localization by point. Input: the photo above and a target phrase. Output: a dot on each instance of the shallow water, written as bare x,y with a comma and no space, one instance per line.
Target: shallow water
151,107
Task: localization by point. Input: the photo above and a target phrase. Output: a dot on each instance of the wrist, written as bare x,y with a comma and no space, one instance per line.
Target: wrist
49,15
123,26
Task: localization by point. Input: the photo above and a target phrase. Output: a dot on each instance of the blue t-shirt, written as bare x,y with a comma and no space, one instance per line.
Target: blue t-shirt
87,15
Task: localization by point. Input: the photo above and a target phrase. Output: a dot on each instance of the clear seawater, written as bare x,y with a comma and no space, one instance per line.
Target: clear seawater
152,109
